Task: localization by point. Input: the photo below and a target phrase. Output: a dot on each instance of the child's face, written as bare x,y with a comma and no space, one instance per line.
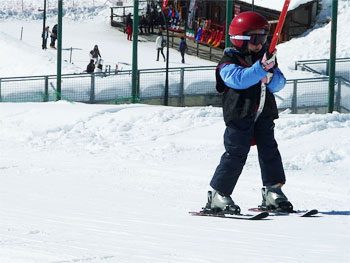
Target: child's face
257,41
254,48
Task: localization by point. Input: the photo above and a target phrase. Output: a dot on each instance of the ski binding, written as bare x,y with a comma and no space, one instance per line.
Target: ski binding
227,213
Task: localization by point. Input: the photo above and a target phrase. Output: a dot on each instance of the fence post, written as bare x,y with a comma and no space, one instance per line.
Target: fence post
294,97
46,92
138,86
92,89
338,96
172,39
210,52
181,90
0,91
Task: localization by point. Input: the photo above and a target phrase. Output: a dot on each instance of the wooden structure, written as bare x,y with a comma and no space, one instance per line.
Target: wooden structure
118,18
297,21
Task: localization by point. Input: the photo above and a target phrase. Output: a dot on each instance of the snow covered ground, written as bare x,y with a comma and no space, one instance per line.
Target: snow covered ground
94,183
114,183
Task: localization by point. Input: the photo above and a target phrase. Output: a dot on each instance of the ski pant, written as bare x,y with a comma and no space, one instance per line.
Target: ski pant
182,56
237,140
53,40
160,50
45,43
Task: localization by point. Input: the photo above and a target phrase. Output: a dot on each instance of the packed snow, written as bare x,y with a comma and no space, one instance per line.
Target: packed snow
115,183
98,183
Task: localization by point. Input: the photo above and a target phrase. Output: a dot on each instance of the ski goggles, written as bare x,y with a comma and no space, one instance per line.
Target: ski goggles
254,39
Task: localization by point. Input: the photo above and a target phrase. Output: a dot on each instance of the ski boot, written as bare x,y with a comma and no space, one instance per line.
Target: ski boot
274,199
219,203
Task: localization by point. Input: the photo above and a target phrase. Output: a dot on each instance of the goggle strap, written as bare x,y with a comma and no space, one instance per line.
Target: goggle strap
240,37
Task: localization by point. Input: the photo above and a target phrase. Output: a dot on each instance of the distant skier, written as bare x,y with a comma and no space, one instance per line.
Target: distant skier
128,28
160,43
183,48
95,54
239,76
53,36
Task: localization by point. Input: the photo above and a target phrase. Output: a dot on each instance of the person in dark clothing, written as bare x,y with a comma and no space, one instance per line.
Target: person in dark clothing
239,76
143,25
151,20
183,48
91,66
128,20
53,36
45,36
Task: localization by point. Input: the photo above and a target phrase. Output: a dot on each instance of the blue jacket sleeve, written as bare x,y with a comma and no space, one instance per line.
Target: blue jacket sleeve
238,77
278,81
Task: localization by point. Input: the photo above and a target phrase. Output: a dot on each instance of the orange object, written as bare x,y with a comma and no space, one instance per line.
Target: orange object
212,36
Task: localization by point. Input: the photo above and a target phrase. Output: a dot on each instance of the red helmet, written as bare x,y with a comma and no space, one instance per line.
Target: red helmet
245,22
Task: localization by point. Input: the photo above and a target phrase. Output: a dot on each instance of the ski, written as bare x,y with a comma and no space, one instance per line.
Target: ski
306,213
258,216
227,213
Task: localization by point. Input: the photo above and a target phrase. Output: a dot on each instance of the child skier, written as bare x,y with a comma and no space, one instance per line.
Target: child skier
239,76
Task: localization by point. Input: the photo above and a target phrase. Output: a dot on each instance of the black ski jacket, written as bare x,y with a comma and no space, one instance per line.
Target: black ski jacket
239,104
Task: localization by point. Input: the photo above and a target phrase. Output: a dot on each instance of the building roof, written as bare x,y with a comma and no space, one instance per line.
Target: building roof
277,4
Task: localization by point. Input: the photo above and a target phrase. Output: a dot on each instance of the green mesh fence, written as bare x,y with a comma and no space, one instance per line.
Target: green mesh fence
299,95
199,82
321,67
30,89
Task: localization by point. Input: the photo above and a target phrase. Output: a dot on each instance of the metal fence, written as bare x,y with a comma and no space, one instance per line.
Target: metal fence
321,67
311,94
299,95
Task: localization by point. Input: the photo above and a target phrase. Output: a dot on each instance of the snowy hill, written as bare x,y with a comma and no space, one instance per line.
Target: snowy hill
30,9
83,33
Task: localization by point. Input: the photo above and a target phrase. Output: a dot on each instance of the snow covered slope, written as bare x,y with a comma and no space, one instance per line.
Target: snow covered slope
85,33
277,4
94,183
114,183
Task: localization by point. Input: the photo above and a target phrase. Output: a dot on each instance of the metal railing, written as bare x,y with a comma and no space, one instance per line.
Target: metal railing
299,95
311,94
321,67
